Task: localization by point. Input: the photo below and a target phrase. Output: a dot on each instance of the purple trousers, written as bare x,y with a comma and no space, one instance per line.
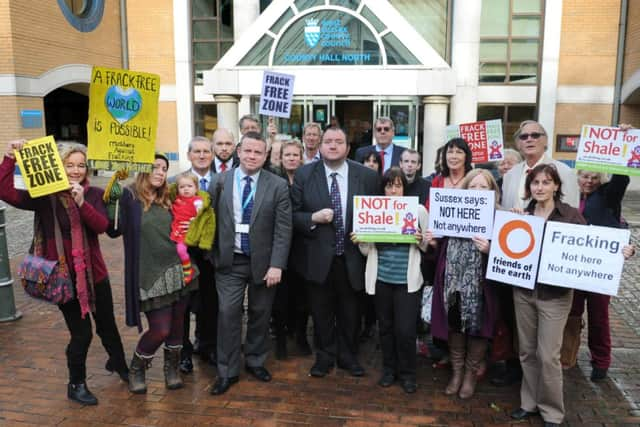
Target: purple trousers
598,325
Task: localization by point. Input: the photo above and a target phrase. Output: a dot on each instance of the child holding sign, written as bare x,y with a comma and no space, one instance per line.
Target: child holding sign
393,276
464,308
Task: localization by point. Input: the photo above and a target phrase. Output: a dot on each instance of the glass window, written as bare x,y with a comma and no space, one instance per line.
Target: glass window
493,51
511,116
397,53
527,26
373,19
206,119
527,6
510,41
327,37
212,33
259,55
306,4
351,4
495,18
275,29
429,18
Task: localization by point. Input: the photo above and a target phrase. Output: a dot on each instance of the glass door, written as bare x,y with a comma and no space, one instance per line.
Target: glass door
405,118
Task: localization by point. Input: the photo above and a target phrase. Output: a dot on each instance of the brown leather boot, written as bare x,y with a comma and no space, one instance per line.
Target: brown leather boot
456,353
137,377
476,352
571,342
172,378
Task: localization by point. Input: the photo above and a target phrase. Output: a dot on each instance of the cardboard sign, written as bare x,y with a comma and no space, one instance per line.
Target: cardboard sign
585,257
123,119
610,150
385,219
276,95
461,213
41,167
484,139
515,249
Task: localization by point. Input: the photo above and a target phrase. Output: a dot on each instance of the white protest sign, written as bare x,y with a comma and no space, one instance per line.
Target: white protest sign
276,95
461,213
385,219
515,249
585,257
610,150
484,139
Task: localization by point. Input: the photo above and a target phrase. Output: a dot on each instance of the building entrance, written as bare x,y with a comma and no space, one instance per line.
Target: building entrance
66,112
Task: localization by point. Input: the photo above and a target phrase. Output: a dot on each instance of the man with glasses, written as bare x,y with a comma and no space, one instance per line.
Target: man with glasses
204,301
389,152
531,139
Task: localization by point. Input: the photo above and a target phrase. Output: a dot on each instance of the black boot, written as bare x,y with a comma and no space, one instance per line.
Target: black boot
123,372
172,379
81,394
137,375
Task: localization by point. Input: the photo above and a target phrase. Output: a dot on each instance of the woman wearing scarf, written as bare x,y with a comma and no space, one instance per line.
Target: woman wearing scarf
81,217
464,307
154,280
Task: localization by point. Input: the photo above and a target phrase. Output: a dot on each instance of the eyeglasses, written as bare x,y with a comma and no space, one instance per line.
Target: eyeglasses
383,128
533,135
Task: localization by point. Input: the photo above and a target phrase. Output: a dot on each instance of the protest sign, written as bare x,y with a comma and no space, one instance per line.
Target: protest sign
515,249
585,257
123,119
41,167
385,219
610,150
484,139
276,95
461,213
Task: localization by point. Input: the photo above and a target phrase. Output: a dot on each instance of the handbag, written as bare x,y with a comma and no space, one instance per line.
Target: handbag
44,279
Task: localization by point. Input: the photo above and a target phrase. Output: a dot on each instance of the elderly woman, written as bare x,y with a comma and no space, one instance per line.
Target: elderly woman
394,278
81,217
600,204
154,280
463,311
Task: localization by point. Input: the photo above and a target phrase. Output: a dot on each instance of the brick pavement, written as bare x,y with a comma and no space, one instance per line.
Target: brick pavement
33,382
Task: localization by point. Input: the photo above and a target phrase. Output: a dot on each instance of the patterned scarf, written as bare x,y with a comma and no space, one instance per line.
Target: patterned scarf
80,253
463,273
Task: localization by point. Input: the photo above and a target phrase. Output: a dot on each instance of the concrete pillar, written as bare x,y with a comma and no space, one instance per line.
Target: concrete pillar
184,78
465,59
245,13
434,131
227,106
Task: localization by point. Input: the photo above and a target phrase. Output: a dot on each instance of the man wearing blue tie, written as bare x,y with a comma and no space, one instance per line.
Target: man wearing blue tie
253,214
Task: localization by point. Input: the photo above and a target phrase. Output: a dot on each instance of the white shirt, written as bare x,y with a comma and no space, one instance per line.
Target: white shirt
310,160
201,177
343,185
238,177
217,162
523,178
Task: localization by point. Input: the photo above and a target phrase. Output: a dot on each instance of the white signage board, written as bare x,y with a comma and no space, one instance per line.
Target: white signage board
461,213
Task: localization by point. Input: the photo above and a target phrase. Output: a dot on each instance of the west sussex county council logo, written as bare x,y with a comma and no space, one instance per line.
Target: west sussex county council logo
311,32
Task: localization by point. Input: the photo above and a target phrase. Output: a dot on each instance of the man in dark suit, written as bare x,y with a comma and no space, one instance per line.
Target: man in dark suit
253,235
224,149
322,197
389,152
410,164
204,301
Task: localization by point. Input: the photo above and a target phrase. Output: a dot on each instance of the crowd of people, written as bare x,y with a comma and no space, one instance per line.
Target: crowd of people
272,218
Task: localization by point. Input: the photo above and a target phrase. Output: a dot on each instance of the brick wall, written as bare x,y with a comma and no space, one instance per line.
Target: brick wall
589,42
630,114
167,130
42,38
571,117
632,42
11,128
150,28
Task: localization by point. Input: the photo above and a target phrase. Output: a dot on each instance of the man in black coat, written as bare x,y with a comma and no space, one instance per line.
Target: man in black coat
322,197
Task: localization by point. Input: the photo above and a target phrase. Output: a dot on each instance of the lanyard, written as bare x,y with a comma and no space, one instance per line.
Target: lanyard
253,191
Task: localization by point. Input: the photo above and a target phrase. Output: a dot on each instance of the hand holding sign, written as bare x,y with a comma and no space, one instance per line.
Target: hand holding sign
41,166
14,146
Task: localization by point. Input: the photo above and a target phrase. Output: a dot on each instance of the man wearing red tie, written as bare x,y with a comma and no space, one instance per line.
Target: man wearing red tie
224,148
389,153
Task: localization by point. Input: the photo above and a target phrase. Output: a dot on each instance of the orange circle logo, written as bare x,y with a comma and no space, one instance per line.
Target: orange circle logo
507,228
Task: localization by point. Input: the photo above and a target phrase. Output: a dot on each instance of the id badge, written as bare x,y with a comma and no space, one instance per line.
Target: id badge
242,228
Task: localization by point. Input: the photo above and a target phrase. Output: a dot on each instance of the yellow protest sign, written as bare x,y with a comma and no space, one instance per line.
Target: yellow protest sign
41,167
123,119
